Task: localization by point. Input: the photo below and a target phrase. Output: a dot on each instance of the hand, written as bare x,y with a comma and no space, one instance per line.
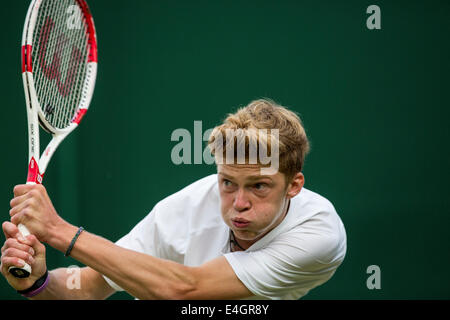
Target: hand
17,250
32,207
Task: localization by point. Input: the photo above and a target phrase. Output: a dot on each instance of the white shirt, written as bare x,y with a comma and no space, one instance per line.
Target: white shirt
302,252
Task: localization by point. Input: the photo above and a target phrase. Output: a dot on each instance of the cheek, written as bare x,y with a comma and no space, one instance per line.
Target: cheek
268,212
226,202
263,213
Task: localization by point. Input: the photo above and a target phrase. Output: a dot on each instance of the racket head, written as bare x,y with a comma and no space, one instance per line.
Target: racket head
59,62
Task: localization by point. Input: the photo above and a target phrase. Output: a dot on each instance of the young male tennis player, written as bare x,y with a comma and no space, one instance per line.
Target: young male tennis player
240,233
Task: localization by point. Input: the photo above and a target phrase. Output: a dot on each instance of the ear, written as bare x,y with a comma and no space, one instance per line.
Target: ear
296,185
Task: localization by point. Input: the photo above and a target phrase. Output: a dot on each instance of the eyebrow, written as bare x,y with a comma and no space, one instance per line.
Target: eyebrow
251,178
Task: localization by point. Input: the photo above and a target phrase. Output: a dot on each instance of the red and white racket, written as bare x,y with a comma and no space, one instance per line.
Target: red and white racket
59,67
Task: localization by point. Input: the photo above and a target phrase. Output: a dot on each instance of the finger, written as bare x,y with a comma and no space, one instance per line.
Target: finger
16,253
19,207
14,243
10,230
21,189
8,262
18,199
35,245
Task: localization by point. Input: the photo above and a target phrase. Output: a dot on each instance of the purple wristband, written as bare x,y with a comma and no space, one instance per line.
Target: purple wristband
38,290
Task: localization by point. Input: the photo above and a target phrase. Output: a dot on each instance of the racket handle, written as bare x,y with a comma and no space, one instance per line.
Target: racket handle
25,271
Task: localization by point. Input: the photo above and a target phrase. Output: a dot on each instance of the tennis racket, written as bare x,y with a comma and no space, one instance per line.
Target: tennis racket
59,67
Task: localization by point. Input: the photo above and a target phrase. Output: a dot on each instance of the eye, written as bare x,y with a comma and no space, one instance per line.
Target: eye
260,186
226,183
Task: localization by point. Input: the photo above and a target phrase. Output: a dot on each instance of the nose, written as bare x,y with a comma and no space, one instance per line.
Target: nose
241,202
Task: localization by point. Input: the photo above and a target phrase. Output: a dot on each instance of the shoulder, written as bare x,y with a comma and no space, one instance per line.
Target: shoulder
319,228
195,201
166,230
311,201
195,194
309,205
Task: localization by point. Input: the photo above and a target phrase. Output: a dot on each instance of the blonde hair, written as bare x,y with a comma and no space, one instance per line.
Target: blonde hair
293,144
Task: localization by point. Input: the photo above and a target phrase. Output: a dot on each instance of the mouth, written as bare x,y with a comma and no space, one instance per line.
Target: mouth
240,223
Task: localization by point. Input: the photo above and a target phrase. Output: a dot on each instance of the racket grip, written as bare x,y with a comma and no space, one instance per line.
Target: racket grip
25,271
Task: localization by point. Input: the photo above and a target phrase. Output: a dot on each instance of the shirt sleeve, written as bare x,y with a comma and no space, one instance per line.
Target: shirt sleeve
138,240
292,264
148,237
165,232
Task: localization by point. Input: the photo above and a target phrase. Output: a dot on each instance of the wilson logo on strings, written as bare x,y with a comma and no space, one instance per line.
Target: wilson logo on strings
52,70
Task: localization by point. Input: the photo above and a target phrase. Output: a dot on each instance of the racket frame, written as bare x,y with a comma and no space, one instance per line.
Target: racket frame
37,164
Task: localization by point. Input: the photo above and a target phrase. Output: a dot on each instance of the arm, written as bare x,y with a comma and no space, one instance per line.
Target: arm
147,277
142,275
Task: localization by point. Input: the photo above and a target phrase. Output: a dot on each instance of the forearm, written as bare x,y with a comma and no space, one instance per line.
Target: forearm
143,276
57,288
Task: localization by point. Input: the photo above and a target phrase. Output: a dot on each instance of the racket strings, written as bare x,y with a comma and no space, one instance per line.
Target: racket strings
60,53
45,37
59,39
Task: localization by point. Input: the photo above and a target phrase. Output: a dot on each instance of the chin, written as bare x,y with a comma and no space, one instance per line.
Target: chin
246,235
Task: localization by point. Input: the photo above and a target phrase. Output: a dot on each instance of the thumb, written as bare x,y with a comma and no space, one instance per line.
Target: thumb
11,230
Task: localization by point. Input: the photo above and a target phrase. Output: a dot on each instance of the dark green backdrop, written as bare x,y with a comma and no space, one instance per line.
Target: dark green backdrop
375,104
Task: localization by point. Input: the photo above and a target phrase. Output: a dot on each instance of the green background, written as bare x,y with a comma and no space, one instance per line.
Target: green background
375,104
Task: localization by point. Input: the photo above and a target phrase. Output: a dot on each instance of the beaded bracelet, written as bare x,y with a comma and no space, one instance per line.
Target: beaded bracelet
72,243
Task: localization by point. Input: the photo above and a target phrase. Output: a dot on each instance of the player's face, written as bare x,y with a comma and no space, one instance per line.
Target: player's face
253,204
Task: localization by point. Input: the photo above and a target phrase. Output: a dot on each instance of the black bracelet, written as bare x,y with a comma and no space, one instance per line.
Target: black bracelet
37,287
72,243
